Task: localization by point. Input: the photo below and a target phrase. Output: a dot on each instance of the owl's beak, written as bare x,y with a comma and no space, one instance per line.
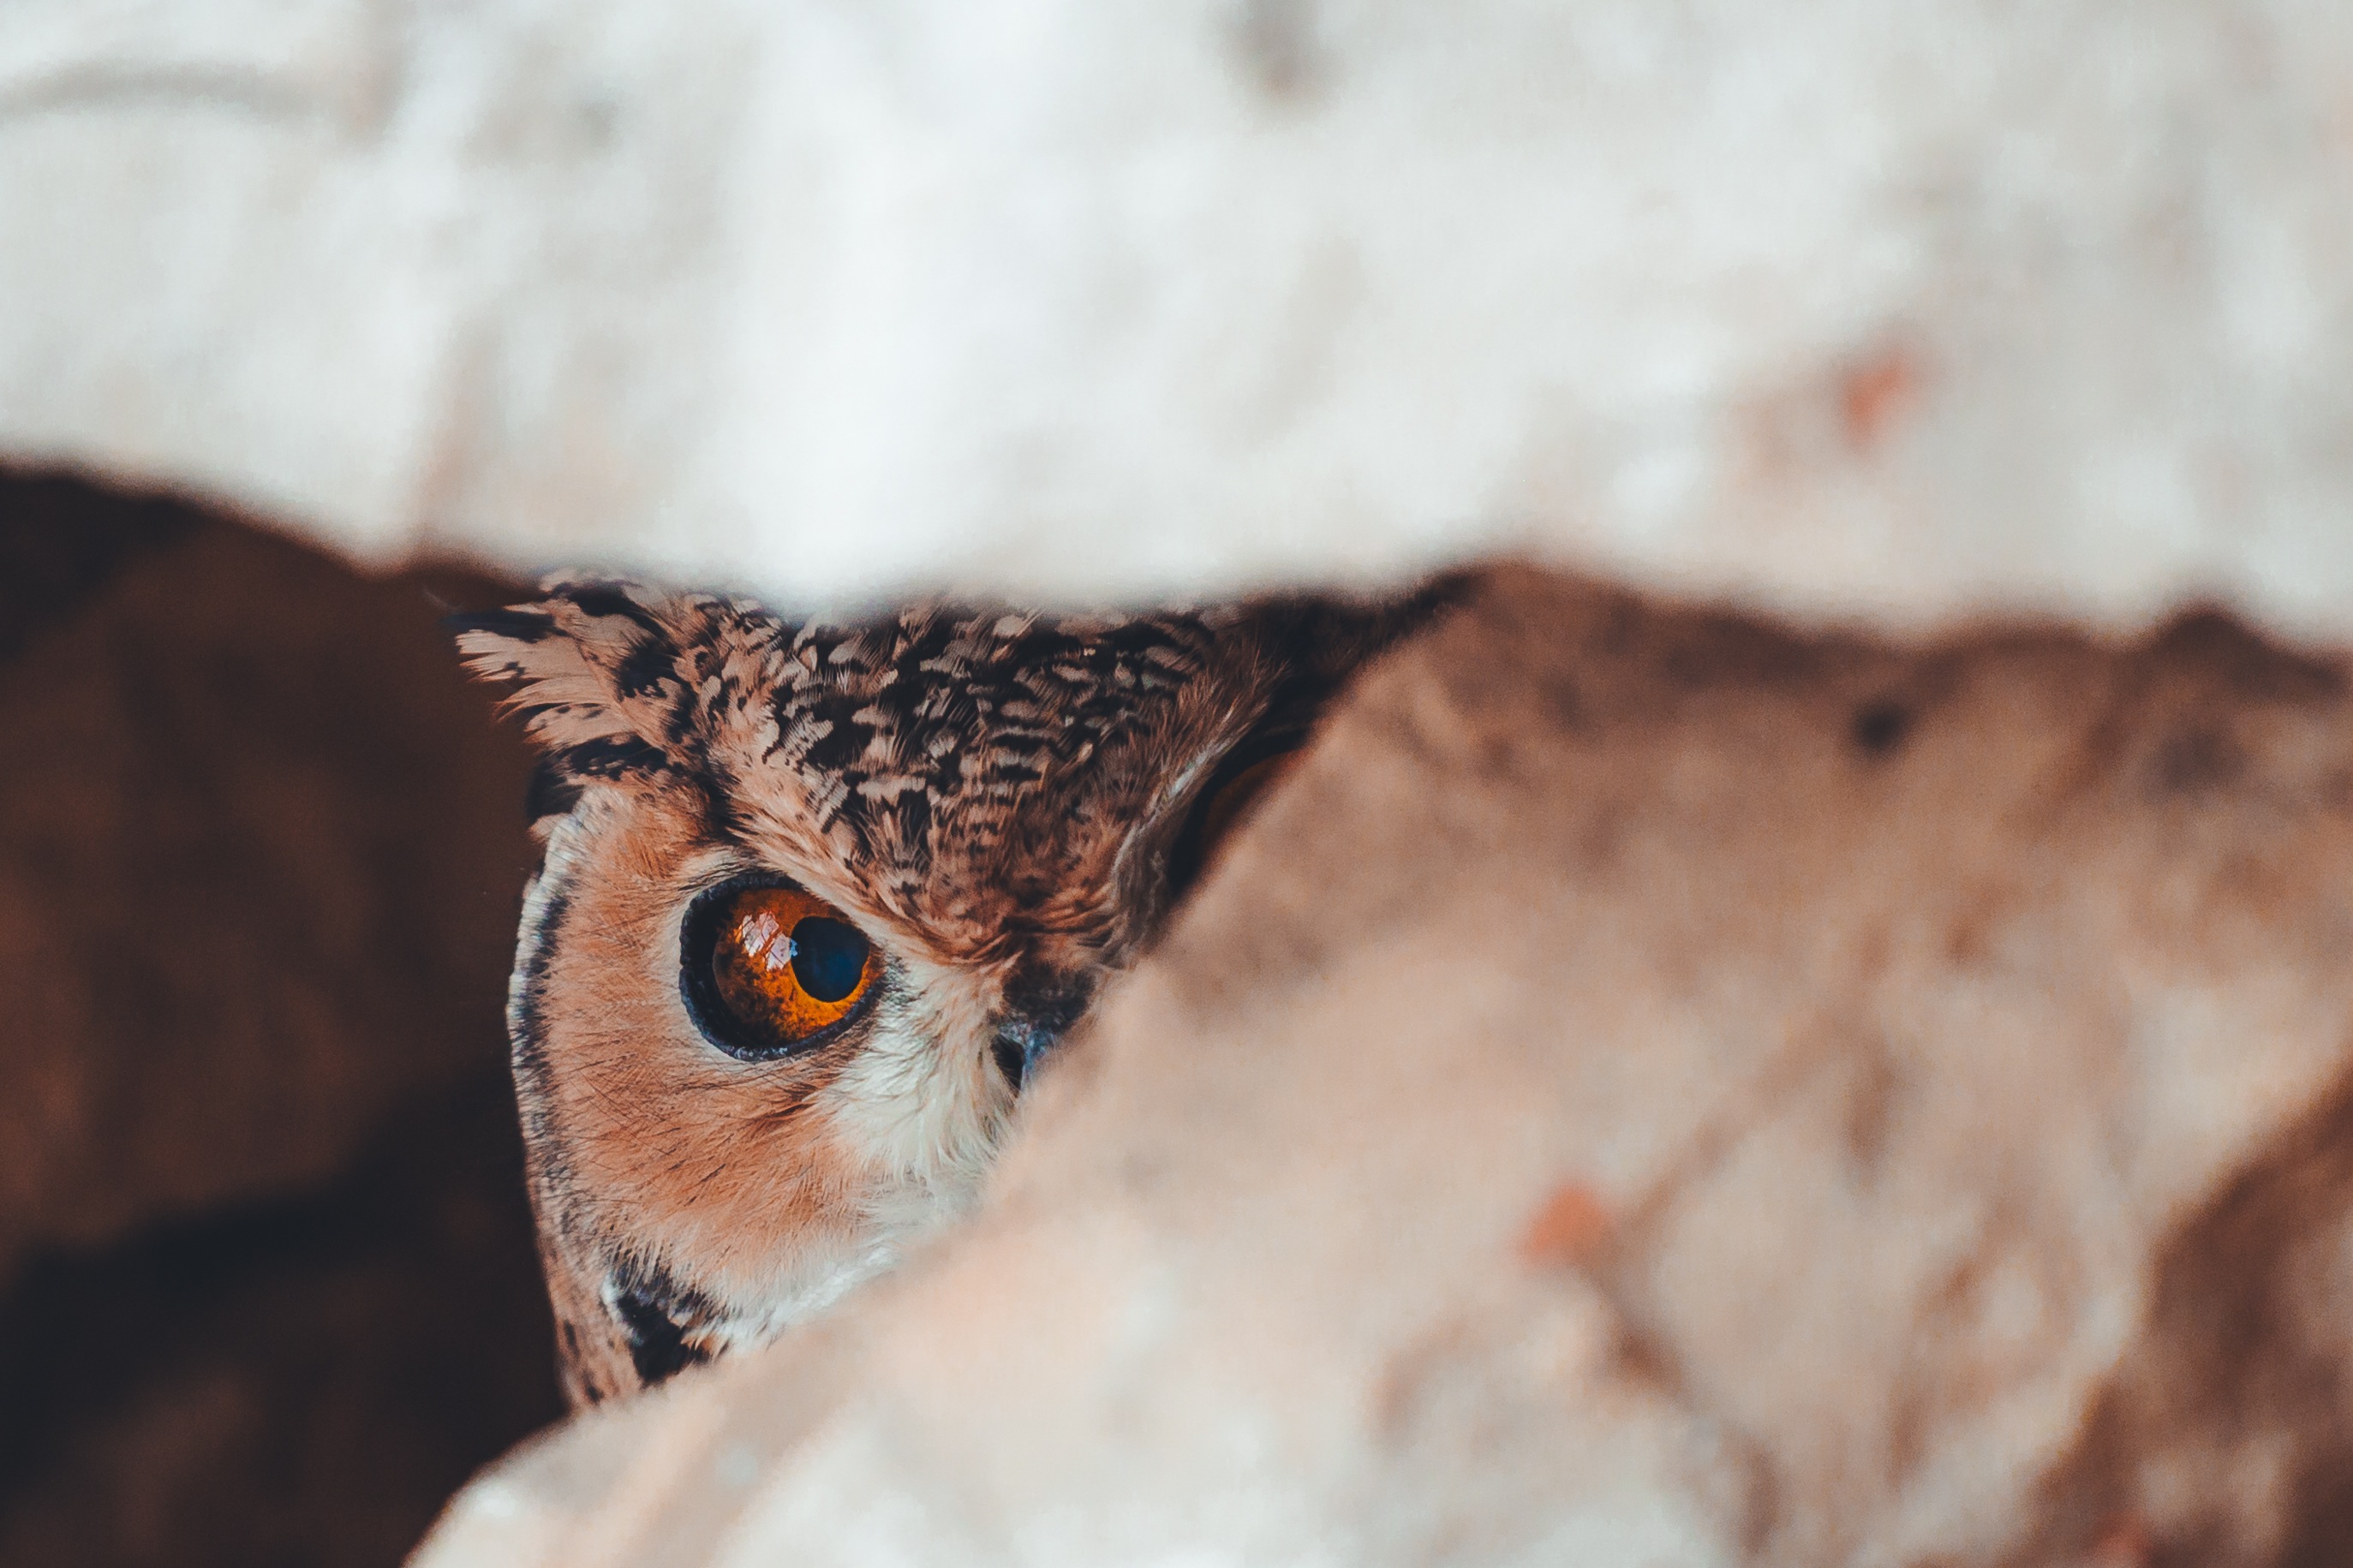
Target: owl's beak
1025,1038
1021,1045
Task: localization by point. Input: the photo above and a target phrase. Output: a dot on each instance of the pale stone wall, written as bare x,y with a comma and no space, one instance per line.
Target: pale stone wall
1892,307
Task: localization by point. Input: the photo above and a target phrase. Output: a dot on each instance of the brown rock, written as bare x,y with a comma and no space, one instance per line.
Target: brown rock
1656,1088
266,1288
258,862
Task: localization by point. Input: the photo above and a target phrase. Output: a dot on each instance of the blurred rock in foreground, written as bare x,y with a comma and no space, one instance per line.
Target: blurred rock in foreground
1658,1089
267,1286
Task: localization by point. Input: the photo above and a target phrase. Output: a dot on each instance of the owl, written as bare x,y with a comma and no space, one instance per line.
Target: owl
818,901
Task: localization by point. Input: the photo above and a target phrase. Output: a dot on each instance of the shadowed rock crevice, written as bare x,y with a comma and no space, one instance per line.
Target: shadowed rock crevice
296,1380
2227,1436
267,1281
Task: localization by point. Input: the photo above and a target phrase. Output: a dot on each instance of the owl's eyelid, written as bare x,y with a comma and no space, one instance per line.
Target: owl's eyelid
727,869
734,873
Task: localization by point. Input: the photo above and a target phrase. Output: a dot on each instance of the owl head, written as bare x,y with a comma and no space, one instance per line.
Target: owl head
817,900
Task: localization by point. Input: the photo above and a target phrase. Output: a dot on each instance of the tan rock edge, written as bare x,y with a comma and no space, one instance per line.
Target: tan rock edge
1658,1089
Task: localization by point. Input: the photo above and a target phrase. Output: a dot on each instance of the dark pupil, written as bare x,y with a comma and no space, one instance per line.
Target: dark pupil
827,957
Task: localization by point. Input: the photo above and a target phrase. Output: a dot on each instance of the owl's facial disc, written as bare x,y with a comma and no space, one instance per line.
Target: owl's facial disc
767,971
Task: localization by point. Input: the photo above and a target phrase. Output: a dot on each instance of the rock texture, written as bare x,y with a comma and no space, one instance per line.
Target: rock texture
1657,1088
266,1288
1892,308
239,914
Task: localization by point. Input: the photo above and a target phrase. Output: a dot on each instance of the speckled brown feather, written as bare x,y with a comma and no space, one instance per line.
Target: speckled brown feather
997,799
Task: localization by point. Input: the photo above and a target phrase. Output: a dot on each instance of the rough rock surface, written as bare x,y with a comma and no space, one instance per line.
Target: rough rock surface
267,1286
1891,307
1657,1089
238,918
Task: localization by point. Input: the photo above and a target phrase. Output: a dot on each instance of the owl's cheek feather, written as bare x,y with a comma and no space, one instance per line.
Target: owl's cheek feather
762,1191
672,1226
681,1192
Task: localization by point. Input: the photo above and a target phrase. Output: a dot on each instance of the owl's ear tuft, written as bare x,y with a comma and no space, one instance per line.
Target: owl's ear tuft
598,678
480,629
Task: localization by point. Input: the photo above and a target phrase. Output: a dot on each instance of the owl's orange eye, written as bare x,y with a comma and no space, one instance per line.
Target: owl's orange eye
768,970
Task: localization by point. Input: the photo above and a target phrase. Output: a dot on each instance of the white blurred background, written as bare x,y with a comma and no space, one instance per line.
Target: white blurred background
1905,308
